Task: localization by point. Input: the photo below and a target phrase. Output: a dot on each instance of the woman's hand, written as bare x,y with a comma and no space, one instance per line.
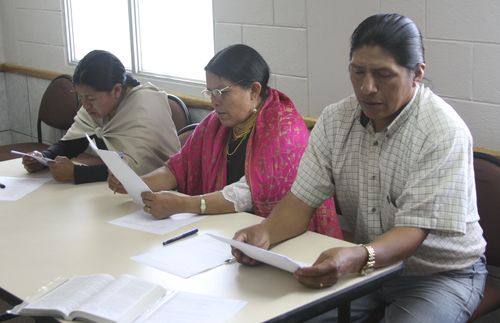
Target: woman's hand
62,169
31,164
256,235
115,185
331,265
163,204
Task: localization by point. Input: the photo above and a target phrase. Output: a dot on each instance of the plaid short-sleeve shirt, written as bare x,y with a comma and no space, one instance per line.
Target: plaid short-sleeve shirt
418,172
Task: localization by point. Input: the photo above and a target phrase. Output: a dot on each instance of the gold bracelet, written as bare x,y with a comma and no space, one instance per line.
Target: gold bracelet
370,263
203,205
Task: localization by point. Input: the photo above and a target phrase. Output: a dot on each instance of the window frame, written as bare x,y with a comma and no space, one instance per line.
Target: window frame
135,48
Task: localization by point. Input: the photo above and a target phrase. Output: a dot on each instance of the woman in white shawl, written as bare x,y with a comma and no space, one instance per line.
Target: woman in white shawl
120,115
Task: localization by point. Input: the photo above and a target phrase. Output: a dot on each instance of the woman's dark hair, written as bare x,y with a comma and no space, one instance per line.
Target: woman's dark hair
240,64
102,70
396,34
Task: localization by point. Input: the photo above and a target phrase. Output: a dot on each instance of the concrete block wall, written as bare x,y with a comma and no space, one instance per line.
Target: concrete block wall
18,122
463,51
306,44
277,29
2,56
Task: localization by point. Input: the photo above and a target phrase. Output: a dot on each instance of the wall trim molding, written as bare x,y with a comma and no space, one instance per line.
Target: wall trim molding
29,71
190,101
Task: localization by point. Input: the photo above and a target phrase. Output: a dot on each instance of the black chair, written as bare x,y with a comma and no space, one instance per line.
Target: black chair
487,176
180,112
185,132
58,107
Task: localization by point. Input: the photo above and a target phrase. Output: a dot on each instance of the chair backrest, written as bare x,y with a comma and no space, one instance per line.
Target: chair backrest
487,174
59,105
180,112
185,132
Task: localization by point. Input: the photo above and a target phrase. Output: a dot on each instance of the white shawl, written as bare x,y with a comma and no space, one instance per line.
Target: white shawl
141,127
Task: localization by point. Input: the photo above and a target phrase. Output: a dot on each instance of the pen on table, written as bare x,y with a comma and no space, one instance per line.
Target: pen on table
2,185
180,236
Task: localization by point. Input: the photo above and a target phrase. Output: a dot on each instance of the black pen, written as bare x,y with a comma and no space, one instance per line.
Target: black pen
2,185
180,236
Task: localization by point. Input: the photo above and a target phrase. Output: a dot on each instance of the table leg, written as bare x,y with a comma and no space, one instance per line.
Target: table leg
344,311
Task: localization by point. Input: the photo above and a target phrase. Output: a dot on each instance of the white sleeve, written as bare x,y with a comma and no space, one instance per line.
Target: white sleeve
239,194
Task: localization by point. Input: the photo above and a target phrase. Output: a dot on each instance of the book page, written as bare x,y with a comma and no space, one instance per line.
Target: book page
62,300
122,300
186,307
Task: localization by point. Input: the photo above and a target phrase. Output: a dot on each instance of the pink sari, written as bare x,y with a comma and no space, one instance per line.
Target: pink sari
273,153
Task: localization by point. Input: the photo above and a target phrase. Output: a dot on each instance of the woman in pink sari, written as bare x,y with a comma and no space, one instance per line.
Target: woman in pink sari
243,156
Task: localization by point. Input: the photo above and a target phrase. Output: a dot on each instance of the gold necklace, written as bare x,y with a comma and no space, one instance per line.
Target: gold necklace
242,130
237,146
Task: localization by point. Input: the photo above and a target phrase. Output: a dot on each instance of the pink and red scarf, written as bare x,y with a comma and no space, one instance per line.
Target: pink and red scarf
273,153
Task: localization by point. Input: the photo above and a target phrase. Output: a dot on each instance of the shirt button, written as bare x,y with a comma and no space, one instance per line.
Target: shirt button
375,143
374,209
374,177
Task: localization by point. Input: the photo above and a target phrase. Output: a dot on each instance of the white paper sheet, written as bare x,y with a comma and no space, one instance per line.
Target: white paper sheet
187,257
132,183
263,255
143,221
41,159
186,307
18,187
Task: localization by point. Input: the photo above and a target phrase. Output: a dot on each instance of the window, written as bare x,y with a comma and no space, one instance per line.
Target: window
168,38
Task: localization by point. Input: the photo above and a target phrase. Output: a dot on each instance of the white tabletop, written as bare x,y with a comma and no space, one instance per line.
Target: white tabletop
63,230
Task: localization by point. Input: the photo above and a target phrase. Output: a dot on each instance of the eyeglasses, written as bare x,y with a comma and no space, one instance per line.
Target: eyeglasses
217,93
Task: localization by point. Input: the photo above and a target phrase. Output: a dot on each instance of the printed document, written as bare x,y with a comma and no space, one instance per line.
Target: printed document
143,221
187,257
263,255
132,183
18,187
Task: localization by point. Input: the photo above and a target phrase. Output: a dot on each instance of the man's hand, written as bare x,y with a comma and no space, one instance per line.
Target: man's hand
256,235
331,265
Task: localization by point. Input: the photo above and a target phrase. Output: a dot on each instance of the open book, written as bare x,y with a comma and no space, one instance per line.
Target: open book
98,298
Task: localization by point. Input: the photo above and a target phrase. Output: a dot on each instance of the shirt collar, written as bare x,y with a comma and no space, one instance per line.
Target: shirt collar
399,120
